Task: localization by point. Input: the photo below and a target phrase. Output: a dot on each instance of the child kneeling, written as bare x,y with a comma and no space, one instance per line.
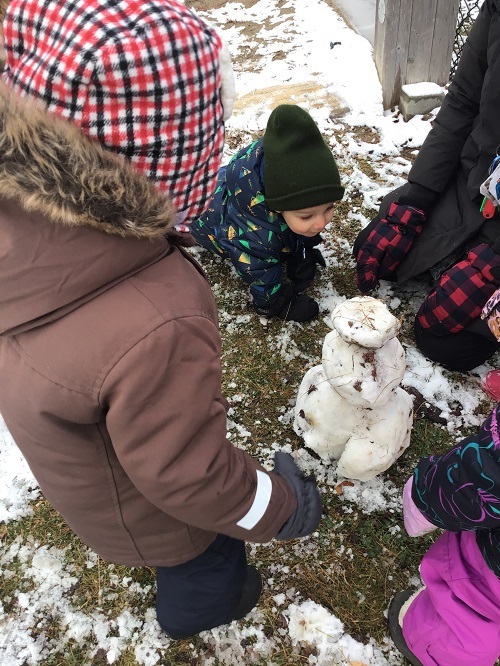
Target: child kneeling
270,204
455,618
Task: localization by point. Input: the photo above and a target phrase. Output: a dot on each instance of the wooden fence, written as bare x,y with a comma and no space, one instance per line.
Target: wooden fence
413,43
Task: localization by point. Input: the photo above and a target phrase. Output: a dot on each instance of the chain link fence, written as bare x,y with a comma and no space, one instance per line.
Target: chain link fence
467,13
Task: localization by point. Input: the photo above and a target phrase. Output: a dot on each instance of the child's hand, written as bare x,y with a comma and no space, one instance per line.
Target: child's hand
301,267
307,515
387,245
290,306
416,524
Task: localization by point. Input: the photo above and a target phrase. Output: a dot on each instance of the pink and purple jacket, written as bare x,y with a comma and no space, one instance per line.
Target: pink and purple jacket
460,490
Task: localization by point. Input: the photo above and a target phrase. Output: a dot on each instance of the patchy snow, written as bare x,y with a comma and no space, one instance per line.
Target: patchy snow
17,484
304,50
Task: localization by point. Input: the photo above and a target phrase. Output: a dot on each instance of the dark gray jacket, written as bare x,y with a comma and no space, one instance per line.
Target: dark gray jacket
457,153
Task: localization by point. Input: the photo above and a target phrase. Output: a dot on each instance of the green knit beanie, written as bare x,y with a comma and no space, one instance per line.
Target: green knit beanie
299,168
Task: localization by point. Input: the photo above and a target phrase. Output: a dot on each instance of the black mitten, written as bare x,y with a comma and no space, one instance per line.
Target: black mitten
301,266
302,308
307,515
290,306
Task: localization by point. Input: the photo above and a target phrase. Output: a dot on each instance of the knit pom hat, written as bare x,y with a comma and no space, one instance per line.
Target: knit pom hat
141,77
299,168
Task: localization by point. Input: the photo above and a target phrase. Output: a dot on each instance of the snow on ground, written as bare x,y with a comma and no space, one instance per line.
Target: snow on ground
17,484
361,13
303,49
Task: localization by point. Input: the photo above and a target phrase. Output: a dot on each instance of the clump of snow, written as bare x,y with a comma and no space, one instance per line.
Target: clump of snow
312,624
365,321
422,89
237,645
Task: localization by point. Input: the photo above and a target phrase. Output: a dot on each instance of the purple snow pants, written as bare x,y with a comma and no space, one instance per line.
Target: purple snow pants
455,620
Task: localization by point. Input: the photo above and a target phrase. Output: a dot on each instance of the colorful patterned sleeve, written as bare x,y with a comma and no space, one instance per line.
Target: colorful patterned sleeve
258,263
460,490
253,236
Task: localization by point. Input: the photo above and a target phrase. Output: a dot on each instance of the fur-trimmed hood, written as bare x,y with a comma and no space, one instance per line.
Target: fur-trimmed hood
74,218
50,167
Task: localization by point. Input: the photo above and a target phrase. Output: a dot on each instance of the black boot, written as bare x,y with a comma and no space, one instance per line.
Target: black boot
250,594
395,628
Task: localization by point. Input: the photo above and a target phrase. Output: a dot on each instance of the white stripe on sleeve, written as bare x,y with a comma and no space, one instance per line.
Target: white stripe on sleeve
260,502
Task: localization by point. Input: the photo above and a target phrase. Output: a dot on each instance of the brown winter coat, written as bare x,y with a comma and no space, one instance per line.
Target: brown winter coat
110,355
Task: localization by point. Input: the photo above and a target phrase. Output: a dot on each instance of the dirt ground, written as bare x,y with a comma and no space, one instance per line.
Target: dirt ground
204,5
307,92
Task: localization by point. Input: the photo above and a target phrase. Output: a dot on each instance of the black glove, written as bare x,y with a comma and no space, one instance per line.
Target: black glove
307,515
290,306
312,241
301,266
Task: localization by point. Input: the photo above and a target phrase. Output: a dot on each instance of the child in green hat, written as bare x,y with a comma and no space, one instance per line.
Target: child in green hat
270,204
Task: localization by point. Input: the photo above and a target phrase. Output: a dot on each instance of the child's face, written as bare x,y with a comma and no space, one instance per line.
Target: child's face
309,221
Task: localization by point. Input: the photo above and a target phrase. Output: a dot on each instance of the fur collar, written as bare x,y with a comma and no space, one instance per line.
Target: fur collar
49,166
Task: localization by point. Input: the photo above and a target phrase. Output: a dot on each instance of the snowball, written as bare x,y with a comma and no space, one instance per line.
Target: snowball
376,444
366,442
317,413
365,321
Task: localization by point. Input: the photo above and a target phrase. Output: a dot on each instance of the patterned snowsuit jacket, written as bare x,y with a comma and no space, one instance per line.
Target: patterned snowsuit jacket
239,225
460,490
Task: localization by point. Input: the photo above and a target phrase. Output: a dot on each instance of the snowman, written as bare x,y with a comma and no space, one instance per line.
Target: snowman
351,408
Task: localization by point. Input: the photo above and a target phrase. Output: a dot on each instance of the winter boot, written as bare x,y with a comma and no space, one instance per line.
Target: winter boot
395,628
491,384
250,594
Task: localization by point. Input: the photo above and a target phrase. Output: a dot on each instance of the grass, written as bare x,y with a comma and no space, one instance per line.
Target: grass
353,566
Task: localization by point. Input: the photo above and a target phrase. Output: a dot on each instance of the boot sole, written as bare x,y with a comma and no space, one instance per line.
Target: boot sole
395,629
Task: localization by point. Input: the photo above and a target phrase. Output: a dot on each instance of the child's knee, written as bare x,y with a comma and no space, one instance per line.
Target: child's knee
460,351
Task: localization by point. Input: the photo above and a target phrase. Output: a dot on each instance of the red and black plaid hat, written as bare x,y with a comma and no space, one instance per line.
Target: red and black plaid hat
139,76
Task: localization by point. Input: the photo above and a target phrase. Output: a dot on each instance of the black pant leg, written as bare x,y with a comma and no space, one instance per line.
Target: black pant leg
202,593
460,351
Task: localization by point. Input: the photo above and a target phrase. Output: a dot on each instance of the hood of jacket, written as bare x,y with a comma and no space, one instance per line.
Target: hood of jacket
244,181
75,219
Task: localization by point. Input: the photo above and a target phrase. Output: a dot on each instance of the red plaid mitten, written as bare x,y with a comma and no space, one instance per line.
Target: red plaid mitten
387,245
461,292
